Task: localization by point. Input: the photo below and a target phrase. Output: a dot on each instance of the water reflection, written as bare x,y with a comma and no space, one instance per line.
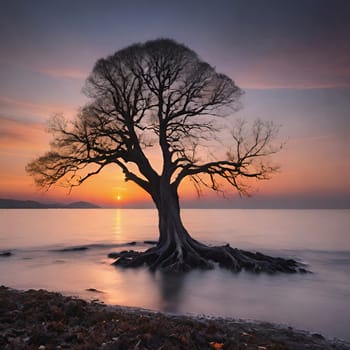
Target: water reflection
171,288
117,227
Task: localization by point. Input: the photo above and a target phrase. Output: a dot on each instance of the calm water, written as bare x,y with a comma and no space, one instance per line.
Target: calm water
318,302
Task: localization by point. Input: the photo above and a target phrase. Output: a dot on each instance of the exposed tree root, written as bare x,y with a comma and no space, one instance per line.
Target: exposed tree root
192,254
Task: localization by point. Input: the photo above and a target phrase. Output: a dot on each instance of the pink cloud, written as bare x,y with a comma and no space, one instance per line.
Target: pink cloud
297,67
20,135
15,106
69,73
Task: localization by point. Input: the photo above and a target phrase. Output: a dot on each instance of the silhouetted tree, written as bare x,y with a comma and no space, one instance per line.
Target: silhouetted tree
161,94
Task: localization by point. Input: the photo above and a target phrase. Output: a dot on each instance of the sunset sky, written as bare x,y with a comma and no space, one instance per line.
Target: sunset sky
292,59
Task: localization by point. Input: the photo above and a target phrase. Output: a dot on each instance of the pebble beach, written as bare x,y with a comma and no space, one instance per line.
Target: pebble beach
39,319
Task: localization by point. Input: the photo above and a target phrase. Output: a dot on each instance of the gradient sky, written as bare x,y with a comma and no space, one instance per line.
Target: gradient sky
291,57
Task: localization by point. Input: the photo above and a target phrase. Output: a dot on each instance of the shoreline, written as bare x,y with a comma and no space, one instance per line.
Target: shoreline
39,319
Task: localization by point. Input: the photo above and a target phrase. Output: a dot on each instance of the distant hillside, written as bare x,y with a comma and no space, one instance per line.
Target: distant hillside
6,203
82,205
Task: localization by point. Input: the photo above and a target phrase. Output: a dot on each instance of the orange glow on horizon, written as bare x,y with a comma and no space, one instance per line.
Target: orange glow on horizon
109,188
303,170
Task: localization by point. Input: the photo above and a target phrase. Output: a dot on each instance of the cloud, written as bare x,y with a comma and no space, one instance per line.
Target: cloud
15,107
66,73
256,84
13,132
21,138
299,69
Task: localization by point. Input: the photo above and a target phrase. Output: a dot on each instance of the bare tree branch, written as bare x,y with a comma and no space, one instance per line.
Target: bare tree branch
246,158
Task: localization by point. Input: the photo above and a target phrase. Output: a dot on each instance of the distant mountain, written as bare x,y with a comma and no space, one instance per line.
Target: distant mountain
6,203
81,205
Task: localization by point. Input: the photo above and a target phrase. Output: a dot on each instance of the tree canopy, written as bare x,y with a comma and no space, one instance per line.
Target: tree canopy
157,94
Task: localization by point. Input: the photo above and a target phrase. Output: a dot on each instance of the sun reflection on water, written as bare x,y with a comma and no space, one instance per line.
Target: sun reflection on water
117,227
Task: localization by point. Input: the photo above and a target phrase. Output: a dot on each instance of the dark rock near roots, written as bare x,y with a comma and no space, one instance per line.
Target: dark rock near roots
150,242
93,290
6,254
73,249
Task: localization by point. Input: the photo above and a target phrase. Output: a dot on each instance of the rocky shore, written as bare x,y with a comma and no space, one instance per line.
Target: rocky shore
38,319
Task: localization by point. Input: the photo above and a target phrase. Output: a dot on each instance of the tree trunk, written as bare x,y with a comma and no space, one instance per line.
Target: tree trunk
176,248
176,251
171,229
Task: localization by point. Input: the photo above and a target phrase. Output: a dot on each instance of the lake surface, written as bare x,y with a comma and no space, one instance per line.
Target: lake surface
318,302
